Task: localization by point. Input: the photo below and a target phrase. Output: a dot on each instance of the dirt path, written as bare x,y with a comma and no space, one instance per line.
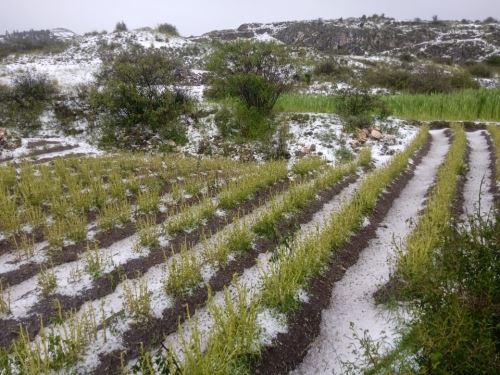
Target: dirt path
352,307
477,189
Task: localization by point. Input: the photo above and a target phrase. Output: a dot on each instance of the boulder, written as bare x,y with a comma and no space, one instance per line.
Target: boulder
361,135
375,134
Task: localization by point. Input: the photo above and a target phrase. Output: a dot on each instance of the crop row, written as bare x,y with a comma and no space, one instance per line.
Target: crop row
437,214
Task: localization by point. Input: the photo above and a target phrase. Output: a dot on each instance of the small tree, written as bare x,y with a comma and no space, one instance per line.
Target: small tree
120,27
256,73
167,29
136,99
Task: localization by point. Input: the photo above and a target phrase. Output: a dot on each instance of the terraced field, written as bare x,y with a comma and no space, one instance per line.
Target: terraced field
169,264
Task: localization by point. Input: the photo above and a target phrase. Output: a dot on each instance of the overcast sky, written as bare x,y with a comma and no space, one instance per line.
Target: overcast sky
194,17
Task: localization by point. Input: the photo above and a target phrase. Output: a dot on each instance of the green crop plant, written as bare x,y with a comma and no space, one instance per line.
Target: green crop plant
230,343
4,300
466,105
55,234
55,349
308,164
76,227
237,191
292,102
25,245
10,221
147,231
238,239
437,213
184,273
114,214
8,178
137,300
33,216
96,260
190,216
148,201
47,281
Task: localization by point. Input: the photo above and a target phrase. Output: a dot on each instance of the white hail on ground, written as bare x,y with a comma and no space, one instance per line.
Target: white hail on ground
477,195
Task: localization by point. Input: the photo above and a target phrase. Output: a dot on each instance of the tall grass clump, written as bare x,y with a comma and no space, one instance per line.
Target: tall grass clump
437,214
466,105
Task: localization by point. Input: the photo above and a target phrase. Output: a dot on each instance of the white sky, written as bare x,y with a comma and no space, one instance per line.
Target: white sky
194,17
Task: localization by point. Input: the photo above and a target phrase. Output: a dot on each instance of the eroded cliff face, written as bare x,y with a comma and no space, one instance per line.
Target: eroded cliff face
359,36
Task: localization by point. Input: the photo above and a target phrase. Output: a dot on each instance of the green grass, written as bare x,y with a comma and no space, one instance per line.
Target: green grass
305,103
464,105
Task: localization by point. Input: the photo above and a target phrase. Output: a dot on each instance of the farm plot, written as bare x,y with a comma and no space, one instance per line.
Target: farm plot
216,266
239,321
51,281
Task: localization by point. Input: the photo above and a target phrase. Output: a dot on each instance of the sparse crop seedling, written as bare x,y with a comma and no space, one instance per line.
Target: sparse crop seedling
184,273
47,281
137,300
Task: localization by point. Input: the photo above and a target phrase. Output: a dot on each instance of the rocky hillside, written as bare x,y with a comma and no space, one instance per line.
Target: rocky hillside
459,40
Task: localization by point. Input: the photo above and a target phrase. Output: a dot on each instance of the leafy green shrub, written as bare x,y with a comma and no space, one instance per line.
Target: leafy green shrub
31,41
357,107
236,120
493,60
134,100
22,104
332,68
168,29
257,73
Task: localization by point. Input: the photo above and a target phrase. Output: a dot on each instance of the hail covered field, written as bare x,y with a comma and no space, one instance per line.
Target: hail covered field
149,262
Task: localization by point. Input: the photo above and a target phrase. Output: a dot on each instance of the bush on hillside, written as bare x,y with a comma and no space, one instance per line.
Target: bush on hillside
358,108
480,70
136,97
120,27
31,41
427,79
22,104
332,68
168,29
251,76
493,60
256,73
